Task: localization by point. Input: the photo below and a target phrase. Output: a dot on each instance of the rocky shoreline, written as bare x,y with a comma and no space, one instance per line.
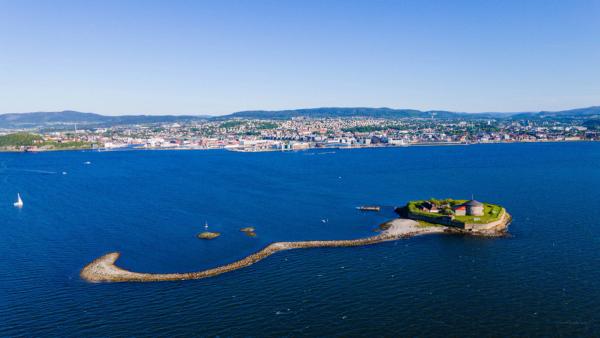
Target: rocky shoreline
103,269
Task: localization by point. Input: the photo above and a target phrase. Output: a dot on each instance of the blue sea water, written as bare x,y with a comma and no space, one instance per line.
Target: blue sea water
544,279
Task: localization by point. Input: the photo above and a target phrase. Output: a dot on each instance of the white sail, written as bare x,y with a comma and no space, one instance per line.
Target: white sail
19,202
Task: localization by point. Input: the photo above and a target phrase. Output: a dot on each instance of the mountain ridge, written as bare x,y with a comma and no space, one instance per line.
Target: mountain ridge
71,117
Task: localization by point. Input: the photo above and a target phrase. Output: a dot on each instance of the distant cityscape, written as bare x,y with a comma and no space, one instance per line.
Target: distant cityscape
300,132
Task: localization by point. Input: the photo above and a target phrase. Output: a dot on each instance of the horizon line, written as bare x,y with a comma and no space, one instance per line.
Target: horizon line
293,109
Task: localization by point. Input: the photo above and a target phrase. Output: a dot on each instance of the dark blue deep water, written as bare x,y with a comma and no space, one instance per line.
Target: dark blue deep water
543,280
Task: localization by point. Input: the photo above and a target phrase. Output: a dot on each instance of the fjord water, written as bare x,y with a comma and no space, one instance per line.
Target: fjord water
149,205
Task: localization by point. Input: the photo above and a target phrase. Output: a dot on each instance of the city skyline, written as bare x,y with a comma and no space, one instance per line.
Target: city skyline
215,58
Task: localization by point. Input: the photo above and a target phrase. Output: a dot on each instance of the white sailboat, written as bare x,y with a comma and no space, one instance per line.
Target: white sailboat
19,202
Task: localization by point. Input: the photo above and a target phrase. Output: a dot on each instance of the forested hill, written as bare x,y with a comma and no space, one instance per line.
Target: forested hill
19,141
69,118
589,112
334,112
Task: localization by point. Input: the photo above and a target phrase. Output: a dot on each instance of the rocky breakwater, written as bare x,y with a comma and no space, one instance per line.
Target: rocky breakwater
103,269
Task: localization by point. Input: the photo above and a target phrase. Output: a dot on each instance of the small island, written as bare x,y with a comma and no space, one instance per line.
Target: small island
208,235
249,231
470,216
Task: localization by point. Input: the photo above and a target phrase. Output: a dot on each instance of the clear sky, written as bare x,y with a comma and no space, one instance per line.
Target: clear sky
215,57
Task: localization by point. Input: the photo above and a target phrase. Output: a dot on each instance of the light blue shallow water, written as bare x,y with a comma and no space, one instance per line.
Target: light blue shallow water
544,280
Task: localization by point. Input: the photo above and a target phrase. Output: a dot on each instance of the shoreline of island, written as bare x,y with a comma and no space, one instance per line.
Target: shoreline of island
104,269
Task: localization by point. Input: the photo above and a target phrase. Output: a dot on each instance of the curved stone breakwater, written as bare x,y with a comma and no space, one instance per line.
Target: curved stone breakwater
103,269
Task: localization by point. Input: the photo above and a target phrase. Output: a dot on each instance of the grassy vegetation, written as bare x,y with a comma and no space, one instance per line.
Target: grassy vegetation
414,209
67,145
20,140
491,212
231,124
17,140
266,125
363,129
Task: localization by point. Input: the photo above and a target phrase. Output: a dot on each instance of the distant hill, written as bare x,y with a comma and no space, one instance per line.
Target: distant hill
588,113
349,112
580,113
68,118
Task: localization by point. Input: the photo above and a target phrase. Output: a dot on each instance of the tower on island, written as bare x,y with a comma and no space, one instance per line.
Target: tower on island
474,208
469,208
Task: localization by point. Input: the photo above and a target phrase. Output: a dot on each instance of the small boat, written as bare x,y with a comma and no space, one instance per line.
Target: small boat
205,225
19,202
369,208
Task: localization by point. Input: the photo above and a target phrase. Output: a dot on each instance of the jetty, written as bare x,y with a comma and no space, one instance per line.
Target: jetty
104,269
417,217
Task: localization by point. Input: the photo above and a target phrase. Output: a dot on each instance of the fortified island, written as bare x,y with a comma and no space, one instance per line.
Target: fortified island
469,216
416,218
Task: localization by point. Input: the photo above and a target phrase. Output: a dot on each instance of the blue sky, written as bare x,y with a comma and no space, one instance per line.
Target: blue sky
216,57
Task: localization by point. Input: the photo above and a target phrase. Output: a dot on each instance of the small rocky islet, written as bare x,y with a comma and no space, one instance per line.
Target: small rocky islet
208,235
249,231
